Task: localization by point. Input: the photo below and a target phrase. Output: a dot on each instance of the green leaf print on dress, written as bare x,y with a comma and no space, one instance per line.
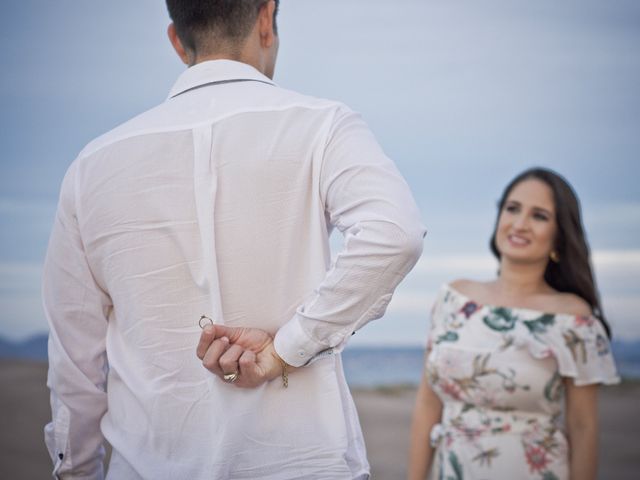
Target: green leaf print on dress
576,345
496,371
486,456
500,319
481,369
540,324
549,475
448,337
455,465
554,388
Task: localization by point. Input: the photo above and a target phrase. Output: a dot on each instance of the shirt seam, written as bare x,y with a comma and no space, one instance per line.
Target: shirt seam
88,151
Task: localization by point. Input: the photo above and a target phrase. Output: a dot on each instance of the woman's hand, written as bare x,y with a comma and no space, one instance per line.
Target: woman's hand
427,412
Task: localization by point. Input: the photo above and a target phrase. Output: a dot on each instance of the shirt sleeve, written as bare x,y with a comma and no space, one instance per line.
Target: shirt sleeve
367,199
76,309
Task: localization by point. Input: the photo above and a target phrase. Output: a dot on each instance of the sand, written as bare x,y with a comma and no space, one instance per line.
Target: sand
385,415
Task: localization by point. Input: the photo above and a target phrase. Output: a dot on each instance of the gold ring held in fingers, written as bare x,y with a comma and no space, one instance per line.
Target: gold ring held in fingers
204,321
230,377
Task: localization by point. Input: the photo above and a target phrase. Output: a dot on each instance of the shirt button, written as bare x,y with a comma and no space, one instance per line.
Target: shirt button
301,353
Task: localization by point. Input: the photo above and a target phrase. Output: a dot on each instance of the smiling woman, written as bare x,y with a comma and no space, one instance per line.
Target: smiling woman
539,222
526,226
503,356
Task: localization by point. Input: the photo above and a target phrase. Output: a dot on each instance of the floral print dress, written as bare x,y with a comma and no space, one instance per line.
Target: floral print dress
499,374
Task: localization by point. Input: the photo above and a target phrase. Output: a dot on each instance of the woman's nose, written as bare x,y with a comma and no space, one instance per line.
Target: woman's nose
521,221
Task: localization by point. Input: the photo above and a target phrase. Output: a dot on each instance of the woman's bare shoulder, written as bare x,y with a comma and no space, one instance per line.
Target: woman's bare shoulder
469,288
571,303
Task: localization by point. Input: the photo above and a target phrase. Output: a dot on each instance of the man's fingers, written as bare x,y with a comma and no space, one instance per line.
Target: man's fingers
225,350
247,364
232,333
213,332
229,360
207,336
246,360
212,356
249,376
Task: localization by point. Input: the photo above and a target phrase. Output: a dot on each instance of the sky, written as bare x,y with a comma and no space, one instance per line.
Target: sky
462,95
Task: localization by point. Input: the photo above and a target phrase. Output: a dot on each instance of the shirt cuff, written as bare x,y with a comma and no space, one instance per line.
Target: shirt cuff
296,347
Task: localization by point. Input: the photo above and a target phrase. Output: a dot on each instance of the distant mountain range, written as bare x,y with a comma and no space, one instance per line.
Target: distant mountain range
357,359
34,348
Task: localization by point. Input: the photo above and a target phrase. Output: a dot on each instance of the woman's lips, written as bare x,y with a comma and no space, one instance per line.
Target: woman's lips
518,241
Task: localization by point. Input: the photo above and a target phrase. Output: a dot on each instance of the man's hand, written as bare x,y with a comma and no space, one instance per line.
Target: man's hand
246,351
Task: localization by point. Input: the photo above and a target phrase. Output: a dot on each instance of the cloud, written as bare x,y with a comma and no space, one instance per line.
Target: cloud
464,263
20,277
25,225
32,207
407,317
462,95
613,215
622,314
618,260
617,271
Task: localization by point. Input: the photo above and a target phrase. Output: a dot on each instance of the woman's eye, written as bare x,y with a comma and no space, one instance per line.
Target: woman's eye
541,216
511,208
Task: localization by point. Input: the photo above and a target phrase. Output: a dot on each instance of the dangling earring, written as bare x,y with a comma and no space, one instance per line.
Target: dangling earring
554,256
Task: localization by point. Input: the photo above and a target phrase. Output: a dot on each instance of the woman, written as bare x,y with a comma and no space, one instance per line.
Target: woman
504,356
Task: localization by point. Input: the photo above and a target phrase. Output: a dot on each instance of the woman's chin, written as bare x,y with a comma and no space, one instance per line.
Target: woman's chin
522,257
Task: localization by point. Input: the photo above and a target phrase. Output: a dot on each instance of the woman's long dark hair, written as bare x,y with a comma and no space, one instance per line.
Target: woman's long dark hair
572,273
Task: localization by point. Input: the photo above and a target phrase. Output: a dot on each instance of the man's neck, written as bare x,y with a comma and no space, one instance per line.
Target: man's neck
245,54
213,56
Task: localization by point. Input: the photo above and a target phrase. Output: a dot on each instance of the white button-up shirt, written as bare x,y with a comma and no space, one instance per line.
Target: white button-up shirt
220,201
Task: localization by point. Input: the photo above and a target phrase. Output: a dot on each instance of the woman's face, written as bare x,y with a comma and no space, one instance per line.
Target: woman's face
527,224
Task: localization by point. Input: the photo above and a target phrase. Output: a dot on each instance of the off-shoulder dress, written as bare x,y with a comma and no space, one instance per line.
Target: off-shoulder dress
499,374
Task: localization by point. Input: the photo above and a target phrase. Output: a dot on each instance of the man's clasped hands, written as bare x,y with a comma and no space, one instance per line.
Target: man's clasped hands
244,357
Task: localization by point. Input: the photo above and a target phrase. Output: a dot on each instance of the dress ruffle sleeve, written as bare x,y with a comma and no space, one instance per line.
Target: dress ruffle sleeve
582,350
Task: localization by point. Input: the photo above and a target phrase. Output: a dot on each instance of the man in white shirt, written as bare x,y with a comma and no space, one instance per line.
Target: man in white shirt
220,201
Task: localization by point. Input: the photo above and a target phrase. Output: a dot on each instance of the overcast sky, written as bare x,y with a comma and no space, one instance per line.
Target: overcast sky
461,94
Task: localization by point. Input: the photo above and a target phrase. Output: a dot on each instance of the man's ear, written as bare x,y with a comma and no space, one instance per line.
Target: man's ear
265,24
177,44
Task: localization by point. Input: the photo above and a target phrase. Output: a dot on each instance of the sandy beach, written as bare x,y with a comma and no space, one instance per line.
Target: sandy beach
385,415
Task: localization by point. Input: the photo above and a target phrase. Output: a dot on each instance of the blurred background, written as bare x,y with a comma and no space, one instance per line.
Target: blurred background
463,95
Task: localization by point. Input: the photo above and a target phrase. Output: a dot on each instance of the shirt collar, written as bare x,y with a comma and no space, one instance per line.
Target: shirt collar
215,71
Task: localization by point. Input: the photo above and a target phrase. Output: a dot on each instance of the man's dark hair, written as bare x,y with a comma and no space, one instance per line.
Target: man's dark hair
206,26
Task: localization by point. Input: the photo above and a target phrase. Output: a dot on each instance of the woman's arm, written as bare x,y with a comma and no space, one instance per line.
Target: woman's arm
427,412
582,430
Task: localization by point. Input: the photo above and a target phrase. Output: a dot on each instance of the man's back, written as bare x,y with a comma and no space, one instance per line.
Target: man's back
219,202
220,184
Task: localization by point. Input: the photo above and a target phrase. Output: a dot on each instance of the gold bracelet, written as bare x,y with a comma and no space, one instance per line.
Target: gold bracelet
285,375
